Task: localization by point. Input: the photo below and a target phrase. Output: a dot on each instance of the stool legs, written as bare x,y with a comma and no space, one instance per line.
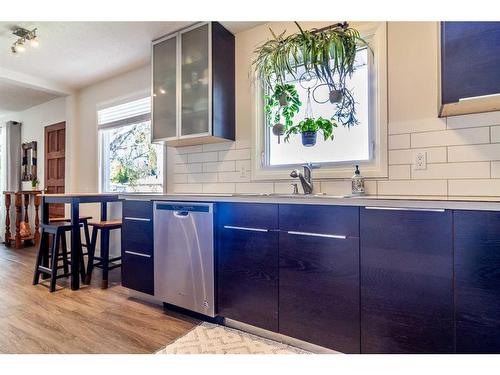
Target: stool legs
55,260
42,256
104,257
65,254
91,250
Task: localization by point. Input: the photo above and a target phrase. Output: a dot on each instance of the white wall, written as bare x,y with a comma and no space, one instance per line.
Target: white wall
463,153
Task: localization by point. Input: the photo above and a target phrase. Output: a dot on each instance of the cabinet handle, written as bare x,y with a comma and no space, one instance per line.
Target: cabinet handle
246,228
406,209
340,237
136,218
138,254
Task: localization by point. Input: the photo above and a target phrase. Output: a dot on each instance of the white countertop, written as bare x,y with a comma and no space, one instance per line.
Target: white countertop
491,204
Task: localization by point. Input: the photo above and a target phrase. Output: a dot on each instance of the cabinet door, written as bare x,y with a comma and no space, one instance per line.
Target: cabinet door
470,56
319,290
138,271
164,109
248,264
477,281
195,80
406,281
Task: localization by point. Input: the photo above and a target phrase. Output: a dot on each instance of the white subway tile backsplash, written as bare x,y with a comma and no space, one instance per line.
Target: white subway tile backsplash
180,158
495,169
202,177
235,154
255,187
202,157
400,141
451,137
474,120
219,188
219,166
188,188
412,187
417,125
474,153
495,134
188,168
434,155
242,143
180,178
481,188
453,171
342,187
234,177
399,172
286,187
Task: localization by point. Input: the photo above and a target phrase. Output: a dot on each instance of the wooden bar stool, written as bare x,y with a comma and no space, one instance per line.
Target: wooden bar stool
47,260
103,261
84,220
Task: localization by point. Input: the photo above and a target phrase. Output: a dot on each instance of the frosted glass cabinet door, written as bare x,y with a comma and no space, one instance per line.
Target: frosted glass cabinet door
194,81
164,89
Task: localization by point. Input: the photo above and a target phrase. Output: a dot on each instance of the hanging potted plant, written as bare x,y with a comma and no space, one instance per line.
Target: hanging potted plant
284,103
309,128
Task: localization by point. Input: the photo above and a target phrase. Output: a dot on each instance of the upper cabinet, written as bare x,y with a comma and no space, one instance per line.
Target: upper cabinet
470,78
193,86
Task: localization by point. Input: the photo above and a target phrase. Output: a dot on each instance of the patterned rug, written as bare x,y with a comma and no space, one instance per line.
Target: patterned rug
208,338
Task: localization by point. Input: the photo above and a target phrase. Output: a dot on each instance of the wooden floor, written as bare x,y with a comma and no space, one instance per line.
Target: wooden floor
90,320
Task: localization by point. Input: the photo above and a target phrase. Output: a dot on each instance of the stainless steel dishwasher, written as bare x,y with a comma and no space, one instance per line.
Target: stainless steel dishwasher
184,255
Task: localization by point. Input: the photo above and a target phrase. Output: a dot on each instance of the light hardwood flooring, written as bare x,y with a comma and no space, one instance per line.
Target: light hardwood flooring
90,320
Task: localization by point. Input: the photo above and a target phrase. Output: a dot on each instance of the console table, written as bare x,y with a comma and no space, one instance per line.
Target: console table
19,203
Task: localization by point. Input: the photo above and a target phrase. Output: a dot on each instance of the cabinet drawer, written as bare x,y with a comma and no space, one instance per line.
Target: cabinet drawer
138,271
136,210
334,220
137,235
248,215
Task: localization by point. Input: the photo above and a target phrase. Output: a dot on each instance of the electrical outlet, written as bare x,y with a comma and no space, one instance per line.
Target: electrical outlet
420,160
243,171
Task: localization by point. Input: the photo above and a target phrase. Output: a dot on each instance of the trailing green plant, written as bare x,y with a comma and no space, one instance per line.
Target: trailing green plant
328,52
324,126
282,102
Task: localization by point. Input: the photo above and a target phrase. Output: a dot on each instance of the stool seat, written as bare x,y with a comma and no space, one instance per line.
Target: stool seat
109,224
64,219
53,227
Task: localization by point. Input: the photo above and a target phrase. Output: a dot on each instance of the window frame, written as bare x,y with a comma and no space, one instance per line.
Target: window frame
100,144
377,166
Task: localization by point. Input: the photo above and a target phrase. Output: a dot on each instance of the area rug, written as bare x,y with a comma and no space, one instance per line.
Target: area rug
208,338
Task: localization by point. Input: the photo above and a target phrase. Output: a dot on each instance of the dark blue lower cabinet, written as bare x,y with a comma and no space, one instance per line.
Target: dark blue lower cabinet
477,281
248,276
138,272
406,281
319,290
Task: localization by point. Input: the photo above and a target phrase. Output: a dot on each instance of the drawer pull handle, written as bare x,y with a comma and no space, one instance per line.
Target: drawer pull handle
136,218
246,228
340,237
406,209
138,254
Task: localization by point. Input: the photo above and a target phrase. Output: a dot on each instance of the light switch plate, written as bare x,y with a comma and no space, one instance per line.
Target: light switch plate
419,160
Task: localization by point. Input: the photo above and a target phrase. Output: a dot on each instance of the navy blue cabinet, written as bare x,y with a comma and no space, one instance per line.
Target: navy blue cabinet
477,281
137,246
470,56
247,240
319,275
406,281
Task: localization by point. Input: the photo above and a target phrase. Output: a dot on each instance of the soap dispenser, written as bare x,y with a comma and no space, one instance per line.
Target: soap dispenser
357,183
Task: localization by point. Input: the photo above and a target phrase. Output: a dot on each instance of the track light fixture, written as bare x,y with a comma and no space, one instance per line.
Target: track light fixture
24,37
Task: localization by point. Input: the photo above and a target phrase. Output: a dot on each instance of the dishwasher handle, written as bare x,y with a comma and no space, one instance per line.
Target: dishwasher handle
181,214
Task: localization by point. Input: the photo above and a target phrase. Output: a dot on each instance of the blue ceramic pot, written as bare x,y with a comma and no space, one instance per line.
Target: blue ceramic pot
309,138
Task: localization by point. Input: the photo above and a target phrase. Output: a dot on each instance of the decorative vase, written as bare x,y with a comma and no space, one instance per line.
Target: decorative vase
309,138
335,96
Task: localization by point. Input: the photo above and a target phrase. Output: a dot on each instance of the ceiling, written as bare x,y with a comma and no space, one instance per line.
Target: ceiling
15,97
77,54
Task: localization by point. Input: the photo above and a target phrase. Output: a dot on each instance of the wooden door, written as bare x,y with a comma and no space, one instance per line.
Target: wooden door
55,146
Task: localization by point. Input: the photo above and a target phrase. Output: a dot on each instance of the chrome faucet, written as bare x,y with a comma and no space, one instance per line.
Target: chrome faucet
306,178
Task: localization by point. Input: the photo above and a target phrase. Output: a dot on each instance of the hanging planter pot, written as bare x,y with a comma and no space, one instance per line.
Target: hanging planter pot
335,96
309,138
283,99
278,130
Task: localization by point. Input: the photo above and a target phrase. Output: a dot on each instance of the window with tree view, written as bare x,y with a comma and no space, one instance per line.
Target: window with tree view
130,162
349,144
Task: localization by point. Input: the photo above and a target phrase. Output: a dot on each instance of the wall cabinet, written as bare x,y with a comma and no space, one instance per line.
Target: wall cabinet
319,275
193,84
248,263
406,281
477,281
470,56
137,246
